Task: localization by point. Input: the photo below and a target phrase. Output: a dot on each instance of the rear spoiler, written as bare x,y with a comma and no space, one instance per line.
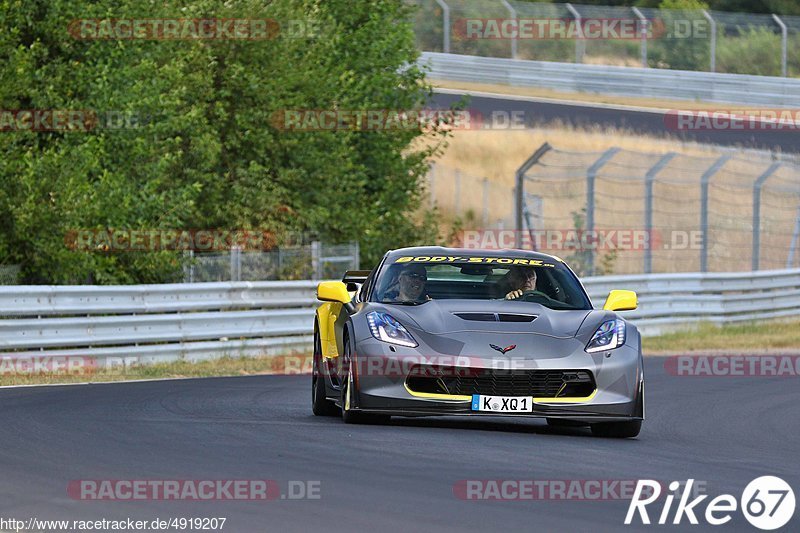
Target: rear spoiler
355,276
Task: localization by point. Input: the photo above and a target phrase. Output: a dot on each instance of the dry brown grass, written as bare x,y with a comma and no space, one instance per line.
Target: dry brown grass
497,154
659,103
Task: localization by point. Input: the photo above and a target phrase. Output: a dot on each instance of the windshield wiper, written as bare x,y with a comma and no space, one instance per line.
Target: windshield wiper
406,302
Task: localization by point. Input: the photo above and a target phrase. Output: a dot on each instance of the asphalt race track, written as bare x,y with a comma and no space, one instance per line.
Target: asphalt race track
637,120
397,477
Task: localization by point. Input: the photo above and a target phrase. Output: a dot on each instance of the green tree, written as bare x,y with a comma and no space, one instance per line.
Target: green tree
206,154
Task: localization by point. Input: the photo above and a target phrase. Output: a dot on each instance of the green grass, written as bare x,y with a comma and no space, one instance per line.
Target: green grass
761,336
224,366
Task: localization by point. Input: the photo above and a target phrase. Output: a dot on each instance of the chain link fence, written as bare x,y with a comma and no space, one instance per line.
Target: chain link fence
314,261
474,200
620,211
700,40
636,212
10,274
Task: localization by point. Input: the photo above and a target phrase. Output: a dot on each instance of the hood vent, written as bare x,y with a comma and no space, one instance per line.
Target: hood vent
496,317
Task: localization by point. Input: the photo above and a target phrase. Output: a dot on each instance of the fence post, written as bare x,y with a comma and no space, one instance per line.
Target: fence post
713,43
757,213
356,250
643,44
591,176
519,190
579,42
432,183
649,178
784,39
236,263
527,212
485,214
704,182
457,204
513,14
316,263
445,26
795,238
190,269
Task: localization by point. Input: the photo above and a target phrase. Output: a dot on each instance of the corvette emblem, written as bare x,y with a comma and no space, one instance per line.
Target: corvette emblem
503,350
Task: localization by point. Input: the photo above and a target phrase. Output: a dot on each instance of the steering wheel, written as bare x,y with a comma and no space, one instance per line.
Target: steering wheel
527,296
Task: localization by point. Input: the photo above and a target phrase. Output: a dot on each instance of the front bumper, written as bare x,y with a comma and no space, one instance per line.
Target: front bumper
382,385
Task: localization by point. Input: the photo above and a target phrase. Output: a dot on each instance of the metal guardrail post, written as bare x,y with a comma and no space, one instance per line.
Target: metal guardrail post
784,39
445,26
356,248
643,25
713,43
649,179
759,183
591,176
580,43
513,14
704,183
519,190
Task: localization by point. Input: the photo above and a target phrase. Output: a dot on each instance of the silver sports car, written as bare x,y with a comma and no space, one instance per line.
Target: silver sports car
437,331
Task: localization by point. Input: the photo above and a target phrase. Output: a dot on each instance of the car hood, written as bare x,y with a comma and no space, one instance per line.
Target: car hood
451,317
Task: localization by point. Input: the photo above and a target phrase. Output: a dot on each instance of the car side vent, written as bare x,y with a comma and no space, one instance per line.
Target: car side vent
496,317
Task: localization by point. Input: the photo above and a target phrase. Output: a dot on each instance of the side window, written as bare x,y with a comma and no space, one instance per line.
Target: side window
365,288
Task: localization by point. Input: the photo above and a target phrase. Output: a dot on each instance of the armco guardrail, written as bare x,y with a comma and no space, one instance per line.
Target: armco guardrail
612,80
672,301
157,323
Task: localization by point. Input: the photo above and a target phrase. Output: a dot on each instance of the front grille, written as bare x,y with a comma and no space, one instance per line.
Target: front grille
468,381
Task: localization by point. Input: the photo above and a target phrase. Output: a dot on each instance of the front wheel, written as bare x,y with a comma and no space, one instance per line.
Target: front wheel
617,430
320,405
350,416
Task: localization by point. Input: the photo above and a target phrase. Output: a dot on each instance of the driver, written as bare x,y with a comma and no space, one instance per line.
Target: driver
410,285
520,280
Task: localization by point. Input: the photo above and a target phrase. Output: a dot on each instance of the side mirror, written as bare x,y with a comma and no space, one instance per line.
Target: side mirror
621,301
333,291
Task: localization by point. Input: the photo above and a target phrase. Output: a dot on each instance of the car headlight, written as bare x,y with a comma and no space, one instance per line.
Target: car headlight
385,328
610,335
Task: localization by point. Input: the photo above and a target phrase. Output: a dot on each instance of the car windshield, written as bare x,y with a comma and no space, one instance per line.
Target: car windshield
417,280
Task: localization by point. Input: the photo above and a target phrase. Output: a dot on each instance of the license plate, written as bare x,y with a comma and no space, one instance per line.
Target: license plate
502,404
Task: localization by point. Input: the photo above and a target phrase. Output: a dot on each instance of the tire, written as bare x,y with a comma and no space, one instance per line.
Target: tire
350,416
617,430
320,405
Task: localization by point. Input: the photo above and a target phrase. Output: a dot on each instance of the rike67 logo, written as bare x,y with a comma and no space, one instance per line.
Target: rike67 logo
767,502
